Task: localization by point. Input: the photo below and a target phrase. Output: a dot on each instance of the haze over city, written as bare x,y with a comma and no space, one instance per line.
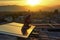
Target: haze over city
35,4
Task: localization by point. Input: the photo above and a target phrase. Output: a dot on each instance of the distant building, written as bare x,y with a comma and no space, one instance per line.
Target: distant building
19,18
8,19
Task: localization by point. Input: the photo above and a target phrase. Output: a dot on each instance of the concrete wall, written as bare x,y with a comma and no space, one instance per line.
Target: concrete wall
7,37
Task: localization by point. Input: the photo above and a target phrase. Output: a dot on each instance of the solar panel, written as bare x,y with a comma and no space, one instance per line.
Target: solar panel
15,29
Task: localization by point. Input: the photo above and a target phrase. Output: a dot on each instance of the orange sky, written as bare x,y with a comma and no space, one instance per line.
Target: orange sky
23,2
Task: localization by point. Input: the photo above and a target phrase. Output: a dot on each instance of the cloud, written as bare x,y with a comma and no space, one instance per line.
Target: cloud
10,0
23,2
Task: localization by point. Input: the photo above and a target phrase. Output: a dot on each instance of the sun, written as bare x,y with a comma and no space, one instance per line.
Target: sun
33,2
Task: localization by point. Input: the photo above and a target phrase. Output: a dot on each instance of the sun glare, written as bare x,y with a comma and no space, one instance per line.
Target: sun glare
33,2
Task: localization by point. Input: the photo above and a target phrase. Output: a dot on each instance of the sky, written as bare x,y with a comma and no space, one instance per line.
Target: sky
23,2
